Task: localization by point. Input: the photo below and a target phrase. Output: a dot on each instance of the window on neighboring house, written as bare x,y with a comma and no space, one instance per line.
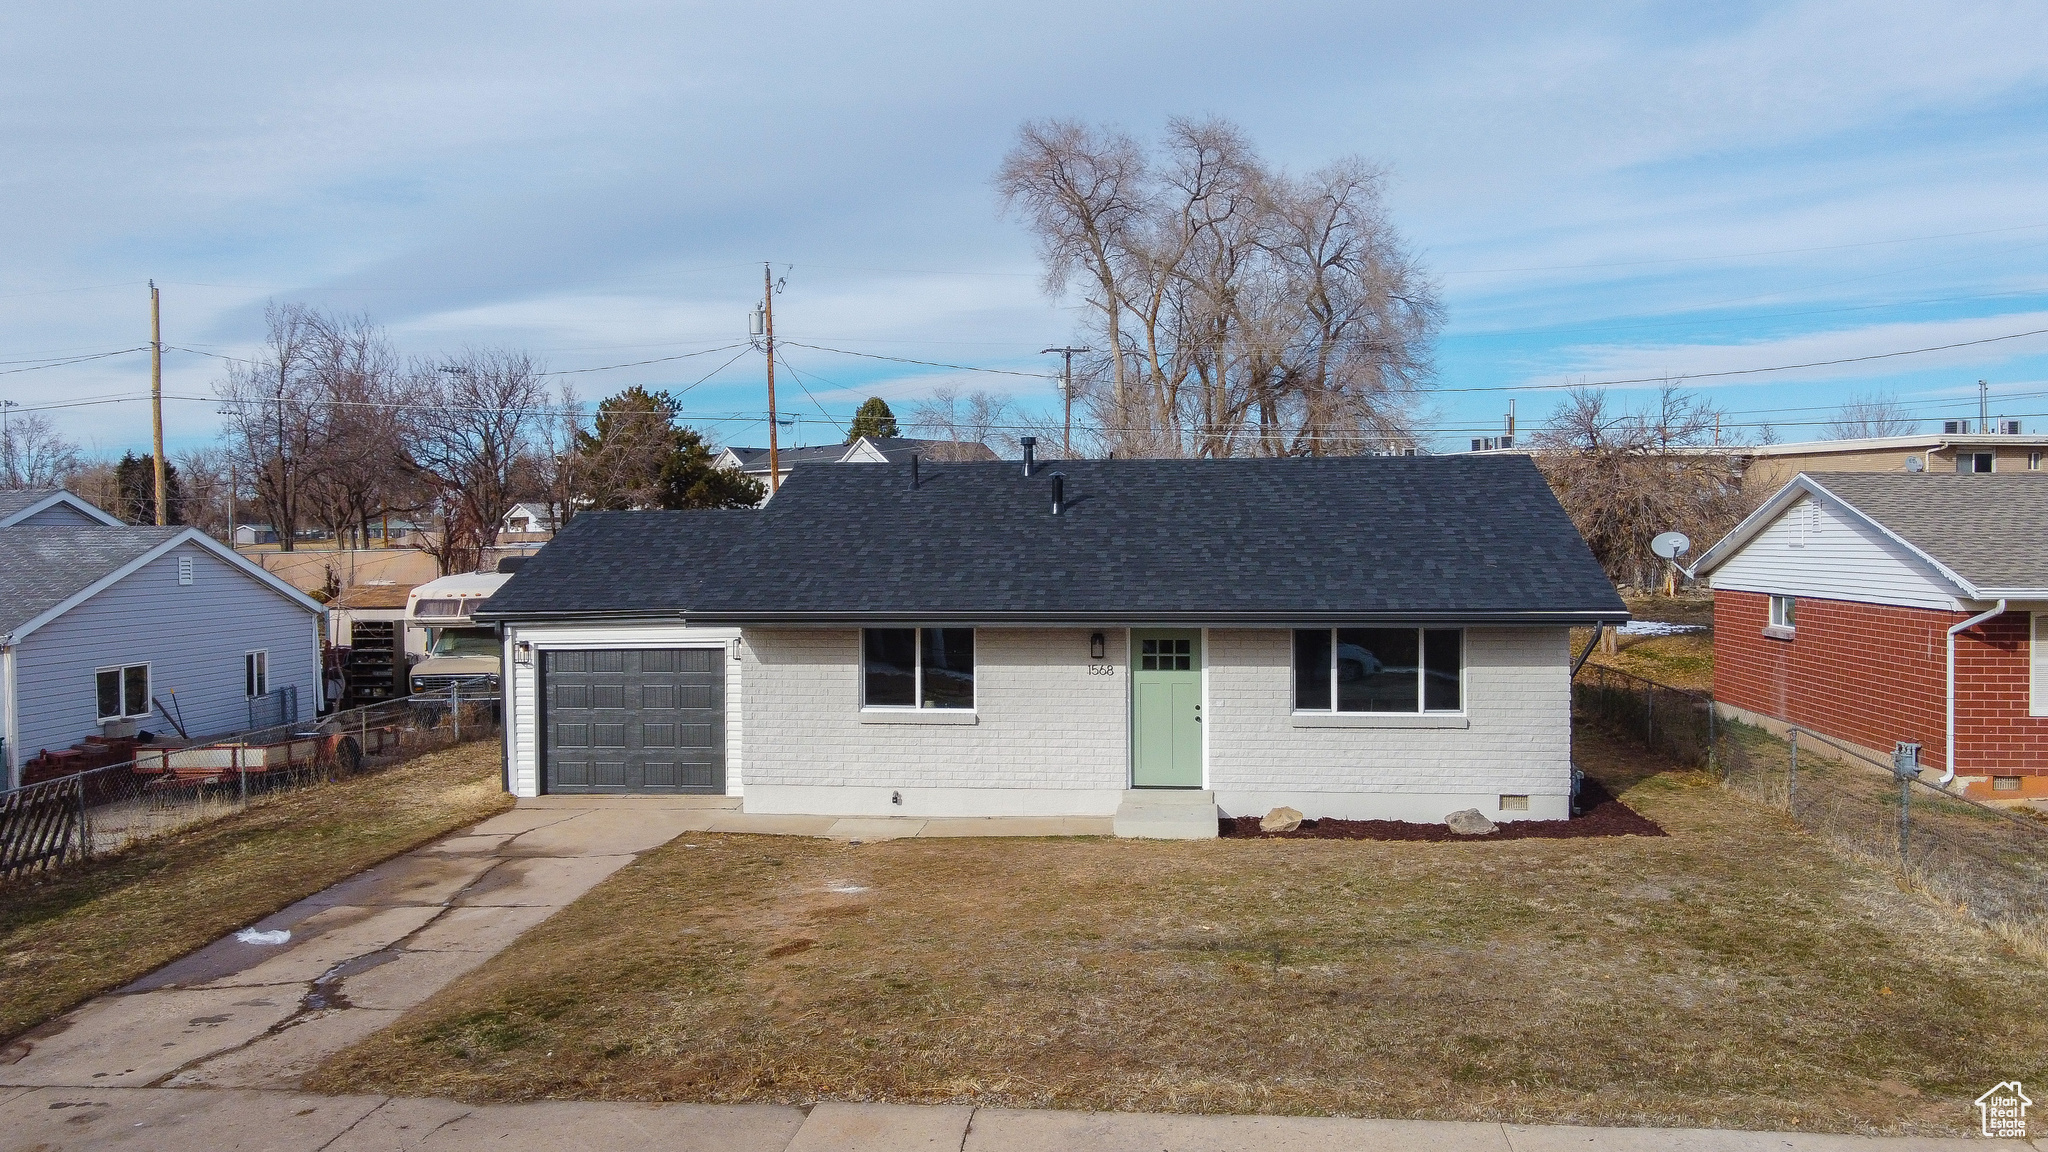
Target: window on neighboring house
917,667
255,673
1973,461
1379,669
2033,461
1784,613
123,692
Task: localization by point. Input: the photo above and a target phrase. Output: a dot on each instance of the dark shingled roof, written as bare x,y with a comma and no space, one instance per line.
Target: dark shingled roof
1417,538
1992,530
41,568
13,500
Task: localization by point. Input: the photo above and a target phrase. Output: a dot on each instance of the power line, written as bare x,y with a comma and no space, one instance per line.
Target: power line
925,363
1745,255
66,363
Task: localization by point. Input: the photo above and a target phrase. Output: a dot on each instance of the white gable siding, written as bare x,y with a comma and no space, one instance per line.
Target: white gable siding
1813,549
192,636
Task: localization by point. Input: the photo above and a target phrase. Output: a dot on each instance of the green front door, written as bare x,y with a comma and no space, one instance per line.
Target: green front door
1166,708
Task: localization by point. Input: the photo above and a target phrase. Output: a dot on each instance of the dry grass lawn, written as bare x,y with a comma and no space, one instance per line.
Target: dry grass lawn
1682,661
1733,974
75,934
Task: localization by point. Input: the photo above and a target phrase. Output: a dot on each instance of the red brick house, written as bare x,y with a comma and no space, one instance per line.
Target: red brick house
1879,607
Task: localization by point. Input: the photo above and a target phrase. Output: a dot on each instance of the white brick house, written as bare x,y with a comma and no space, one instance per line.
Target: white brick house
1357,638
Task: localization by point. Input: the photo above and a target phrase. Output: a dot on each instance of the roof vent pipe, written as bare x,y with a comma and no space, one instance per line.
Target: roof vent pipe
1029,442
1059,492
913,471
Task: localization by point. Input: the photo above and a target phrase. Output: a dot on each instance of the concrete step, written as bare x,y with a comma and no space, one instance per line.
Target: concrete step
1167,814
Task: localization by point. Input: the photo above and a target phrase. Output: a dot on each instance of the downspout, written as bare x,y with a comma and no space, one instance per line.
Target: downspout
10,726
1599,626
1972,622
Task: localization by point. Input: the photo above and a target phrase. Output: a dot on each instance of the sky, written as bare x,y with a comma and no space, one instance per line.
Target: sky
1603,192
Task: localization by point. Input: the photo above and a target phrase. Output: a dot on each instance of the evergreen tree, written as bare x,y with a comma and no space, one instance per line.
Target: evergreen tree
636,456
135,481
873,419
690,480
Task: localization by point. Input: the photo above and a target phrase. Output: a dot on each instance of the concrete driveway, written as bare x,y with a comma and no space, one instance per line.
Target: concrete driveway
262,1016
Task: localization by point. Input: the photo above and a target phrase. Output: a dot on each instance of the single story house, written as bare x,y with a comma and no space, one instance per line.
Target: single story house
1366,637
106,629
864,450
48,506
1885,607
1768,467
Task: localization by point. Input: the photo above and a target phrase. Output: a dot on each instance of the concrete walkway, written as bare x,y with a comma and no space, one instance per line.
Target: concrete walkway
722,814
253,1121
262,1016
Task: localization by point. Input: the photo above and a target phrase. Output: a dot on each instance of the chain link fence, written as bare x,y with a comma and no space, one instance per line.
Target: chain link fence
1988,860
171,786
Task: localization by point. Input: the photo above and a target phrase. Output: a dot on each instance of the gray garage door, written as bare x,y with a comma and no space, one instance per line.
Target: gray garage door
634,720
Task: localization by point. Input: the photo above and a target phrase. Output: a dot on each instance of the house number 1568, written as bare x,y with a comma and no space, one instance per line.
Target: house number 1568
1102,669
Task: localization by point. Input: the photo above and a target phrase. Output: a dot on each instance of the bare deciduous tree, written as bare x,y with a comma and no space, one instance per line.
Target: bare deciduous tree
1241,311
1878,414
468,424
34,455
980,417
1624,476
273,415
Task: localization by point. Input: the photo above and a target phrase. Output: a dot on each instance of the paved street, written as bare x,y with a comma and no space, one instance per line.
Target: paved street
141,1119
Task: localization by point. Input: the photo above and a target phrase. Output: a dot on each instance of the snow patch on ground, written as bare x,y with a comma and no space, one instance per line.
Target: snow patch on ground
1657,628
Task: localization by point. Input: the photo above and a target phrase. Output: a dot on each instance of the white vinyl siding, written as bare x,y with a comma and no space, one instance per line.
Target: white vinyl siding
1814,550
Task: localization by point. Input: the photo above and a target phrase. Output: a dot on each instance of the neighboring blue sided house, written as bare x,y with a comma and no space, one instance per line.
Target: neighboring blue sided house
104,626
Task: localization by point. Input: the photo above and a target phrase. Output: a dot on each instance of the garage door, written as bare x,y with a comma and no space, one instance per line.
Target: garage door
634,720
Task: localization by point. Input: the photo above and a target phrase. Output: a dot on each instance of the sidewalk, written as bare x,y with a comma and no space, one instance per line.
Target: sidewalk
169,1119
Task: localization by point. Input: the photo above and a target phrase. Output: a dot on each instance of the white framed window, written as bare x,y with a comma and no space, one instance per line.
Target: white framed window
1784,613
123,692
2037,660
917,668
1975,461
255,673
2033,461
1400,670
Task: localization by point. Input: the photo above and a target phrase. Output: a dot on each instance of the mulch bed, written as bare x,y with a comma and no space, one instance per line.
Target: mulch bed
1603,815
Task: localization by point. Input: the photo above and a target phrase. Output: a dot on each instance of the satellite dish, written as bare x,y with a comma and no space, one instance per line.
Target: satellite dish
1671,545
1915,464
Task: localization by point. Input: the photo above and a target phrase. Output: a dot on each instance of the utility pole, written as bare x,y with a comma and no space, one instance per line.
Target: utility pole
1067,394
1983,408
156,399
768,333
6,444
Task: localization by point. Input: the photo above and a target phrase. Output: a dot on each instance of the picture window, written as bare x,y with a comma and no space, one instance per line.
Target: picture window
1395,670
917,668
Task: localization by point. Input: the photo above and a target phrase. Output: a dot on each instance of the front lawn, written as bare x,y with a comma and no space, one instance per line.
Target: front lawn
76,933
1732,974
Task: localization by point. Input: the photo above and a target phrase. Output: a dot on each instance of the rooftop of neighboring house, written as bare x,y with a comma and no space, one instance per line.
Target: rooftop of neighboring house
1410,539
867,449
1887,444
1990,530
18,504
41,568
